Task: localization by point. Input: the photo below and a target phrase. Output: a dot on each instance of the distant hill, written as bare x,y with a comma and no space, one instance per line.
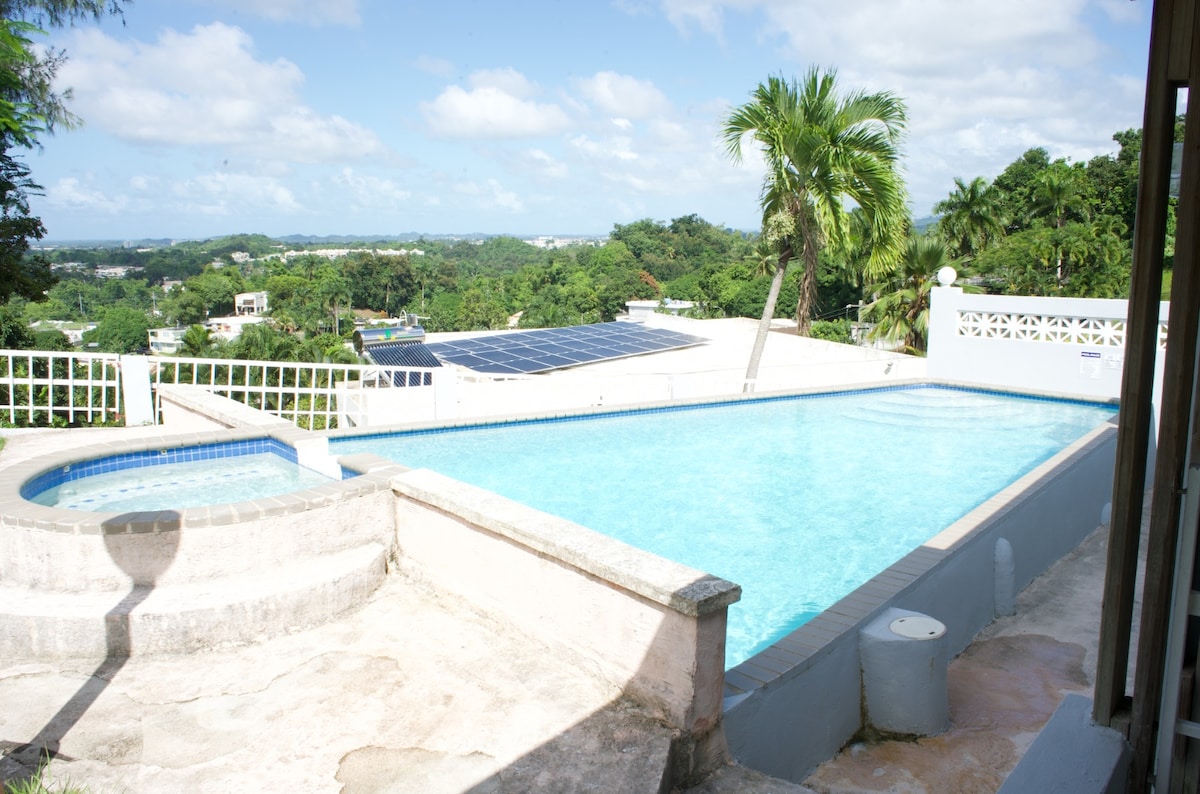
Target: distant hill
289,239
921,224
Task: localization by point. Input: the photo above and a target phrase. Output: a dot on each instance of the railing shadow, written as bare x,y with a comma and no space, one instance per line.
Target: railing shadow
144,557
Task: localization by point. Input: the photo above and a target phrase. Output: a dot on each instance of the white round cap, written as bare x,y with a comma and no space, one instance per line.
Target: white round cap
918,627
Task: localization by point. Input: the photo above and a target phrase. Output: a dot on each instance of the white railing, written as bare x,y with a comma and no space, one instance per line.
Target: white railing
39,387
42,388
313,396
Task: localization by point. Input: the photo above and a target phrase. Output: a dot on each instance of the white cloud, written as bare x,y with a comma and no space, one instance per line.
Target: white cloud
491,195
544,165
498,106
983,81
70,193
204,88
508,81
313,12
369,191
617,147
228,194
624,96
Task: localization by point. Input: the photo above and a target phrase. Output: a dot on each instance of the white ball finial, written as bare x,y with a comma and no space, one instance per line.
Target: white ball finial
946,276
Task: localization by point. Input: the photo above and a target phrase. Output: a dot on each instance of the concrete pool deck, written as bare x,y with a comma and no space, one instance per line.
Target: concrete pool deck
414,692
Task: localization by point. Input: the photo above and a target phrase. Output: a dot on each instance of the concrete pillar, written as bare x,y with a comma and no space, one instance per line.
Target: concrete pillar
904,656
135,388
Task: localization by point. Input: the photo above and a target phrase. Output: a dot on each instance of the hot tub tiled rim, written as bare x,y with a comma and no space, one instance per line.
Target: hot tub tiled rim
369,475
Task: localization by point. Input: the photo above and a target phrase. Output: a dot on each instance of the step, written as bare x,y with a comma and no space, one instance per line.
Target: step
182,618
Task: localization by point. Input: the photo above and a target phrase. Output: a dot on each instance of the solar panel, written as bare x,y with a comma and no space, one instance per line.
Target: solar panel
544,349
402,354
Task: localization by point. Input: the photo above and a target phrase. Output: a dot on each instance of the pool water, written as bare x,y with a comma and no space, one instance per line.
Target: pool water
177,486
798,500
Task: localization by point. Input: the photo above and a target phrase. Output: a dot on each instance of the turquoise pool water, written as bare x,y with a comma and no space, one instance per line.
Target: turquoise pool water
177,486
799,500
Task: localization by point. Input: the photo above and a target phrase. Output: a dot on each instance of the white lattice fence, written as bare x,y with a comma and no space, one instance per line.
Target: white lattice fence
1020,327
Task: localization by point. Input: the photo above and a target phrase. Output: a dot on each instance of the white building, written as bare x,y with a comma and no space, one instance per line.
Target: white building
250,303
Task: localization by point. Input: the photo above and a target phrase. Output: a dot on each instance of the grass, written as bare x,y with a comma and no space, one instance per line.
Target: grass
38,784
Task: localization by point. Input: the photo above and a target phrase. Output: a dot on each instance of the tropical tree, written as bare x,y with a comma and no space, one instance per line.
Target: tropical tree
30,108
122,329
970,217
900,311
822,151
1058,193
196,342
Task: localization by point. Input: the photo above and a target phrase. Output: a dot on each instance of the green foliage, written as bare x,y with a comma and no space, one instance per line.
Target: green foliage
122,329
971,218
14,331
901,312
833,331
1016,184
51,339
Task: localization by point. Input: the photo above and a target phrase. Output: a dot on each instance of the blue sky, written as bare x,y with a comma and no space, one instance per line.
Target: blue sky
211,117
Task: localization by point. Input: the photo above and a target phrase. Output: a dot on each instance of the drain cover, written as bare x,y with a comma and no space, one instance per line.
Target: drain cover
918,627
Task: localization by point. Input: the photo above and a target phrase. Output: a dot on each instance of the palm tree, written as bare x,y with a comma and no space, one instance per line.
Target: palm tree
970,217
901,309
821,150
196,342
1058,192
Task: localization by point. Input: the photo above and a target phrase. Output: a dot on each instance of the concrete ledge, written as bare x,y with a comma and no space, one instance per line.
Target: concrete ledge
683,589
195,408
1072,755
648,625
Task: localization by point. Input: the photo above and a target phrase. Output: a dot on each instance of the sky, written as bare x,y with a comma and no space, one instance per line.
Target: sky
203,118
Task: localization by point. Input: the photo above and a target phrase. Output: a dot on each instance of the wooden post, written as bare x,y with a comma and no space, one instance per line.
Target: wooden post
1175,440
1137,385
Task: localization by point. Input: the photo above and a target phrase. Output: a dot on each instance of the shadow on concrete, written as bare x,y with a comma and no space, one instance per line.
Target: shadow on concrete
624,745
144,557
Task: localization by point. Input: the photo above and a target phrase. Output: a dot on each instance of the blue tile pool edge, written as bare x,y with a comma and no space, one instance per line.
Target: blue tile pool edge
429,428
16,510
122,461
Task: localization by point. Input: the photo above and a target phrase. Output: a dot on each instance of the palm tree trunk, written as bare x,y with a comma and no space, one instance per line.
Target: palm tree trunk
764,324
808,280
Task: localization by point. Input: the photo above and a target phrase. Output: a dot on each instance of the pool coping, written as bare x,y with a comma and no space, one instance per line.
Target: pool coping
436,425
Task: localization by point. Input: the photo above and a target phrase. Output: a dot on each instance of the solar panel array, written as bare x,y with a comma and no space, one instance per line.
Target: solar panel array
528,352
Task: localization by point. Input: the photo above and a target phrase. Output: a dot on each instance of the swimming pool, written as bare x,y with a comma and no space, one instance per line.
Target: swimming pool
798,499
175,478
